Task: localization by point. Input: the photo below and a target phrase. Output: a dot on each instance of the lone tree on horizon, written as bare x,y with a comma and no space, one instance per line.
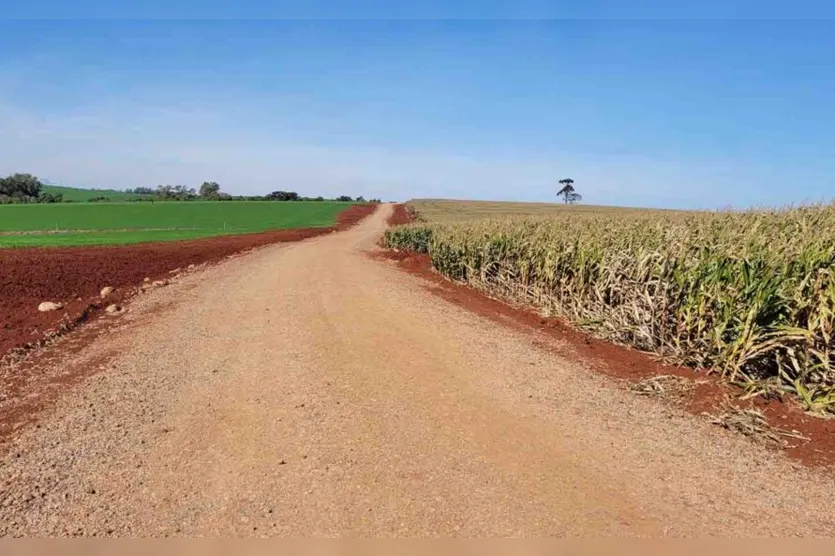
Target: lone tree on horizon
210,190
568,194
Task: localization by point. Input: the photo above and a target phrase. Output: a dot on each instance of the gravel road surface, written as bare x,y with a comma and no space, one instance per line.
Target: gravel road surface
309,389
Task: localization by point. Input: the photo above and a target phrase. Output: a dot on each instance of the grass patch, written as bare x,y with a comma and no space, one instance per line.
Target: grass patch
123,223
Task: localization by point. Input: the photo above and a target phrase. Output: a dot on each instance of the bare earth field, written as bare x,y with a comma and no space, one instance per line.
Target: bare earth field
312,389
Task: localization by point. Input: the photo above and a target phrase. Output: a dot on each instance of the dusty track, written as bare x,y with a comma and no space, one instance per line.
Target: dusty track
309,389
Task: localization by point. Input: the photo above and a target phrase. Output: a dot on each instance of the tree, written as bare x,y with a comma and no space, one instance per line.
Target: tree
184,193
344,198
567,192
50,197
175,193
210,190
282,196
19,188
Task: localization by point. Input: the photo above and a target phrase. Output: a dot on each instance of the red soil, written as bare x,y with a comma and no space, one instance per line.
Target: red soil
75,276
401,215
629,364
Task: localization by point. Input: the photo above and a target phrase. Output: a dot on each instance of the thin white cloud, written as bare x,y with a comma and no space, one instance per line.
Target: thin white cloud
125,145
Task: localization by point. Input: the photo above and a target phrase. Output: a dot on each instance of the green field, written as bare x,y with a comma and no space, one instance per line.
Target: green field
122,223
83,195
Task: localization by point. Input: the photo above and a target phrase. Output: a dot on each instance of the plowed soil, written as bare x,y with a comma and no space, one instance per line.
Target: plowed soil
74,276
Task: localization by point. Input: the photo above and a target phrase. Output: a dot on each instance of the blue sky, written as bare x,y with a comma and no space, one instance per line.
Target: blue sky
676,112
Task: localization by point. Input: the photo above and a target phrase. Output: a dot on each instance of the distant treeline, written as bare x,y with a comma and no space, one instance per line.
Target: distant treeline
210,191
24,188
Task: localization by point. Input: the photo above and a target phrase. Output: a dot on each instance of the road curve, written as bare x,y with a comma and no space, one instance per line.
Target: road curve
308,389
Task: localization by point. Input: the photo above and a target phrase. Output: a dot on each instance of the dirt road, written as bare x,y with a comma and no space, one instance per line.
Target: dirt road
309,389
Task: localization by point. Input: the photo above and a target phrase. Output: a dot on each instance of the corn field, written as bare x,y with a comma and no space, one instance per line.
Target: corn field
748,294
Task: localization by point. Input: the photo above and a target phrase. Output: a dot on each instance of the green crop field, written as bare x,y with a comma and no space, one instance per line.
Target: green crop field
748,294
83,195
122,223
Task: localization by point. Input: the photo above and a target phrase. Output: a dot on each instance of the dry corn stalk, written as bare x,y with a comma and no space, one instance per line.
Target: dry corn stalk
748,294
751,423
664,386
